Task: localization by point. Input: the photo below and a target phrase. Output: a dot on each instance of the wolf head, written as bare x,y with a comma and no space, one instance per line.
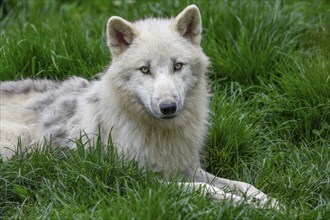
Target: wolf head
157,63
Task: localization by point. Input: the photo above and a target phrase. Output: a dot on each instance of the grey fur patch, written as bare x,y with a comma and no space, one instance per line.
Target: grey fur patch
27,85
68,107
58,95
92,99
54,121
42,103
59,136
60,133
56,107
75,84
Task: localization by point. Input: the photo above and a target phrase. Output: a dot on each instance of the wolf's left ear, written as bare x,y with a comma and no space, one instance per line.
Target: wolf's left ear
120,34
189,24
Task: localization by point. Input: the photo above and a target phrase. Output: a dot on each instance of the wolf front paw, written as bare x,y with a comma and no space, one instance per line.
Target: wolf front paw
265,202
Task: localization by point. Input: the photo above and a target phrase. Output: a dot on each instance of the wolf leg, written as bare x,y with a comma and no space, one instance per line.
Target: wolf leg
245,190
12,137
209,190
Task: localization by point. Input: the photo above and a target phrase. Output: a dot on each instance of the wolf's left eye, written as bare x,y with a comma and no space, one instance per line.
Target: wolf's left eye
178,66
144,70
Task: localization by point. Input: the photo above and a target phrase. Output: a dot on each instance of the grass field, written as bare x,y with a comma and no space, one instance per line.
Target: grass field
270,122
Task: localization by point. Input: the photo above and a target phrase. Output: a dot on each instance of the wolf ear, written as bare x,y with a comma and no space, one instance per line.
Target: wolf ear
189,24
120,34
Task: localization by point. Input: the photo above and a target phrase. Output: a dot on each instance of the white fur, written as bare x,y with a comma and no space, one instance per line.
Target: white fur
128,104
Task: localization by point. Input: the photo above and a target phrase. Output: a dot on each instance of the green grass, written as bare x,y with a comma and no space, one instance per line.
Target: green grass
270,122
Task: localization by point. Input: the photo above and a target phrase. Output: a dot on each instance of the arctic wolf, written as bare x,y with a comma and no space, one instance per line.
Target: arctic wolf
152,100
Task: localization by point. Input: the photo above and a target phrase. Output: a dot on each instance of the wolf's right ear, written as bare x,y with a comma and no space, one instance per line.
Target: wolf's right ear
120,34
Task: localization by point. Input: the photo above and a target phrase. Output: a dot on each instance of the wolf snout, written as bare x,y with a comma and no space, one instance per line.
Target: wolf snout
168,108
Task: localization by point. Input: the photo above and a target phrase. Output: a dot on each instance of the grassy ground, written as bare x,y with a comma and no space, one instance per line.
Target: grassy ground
270,120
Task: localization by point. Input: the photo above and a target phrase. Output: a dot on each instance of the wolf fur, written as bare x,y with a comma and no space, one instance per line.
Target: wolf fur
153,99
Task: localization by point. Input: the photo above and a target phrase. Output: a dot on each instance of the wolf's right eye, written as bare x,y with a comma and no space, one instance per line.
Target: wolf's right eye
144,70
178,66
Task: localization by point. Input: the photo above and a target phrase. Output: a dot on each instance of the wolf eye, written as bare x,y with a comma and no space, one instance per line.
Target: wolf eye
178,66
144,70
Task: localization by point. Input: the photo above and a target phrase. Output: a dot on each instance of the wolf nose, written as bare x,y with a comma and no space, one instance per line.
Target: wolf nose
167,108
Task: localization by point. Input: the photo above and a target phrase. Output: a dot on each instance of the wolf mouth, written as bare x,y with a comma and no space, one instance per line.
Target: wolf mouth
168,117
